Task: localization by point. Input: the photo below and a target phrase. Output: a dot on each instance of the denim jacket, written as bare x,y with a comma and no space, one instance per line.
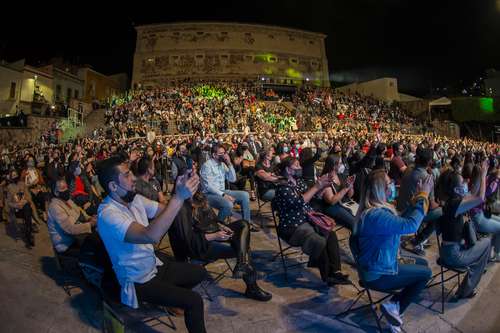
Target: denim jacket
379,237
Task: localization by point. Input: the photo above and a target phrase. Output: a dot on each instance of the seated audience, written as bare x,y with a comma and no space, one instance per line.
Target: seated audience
378,231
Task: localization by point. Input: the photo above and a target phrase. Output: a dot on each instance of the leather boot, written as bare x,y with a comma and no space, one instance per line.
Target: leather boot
253,290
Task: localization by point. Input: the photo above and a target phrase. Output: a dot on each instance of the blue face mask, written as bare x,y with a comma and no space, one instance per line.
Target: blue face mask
391,192
462,190
285,149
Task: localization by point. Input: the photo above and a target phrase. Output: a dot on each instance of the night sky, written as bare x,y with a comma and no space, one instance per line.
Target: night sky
421,42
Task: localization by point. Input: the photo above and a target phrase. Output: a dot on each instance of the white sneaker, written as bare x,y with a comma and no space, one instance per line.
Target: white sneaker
391,313
394,329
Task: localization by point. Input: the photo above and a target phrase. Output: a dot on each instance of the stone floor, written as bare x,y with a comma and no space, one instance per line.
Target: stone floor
33,300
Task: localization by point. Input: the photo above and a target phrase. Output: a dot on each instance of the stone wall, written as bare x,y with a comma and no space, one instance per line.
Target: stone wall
36,126
227,50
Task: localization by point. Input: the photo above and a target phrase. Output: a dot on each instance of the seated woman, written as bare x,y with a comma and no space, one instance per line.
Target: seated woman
378,231
265,177
248,167
475,254
80,188
291,203
195,233
340,192
482,222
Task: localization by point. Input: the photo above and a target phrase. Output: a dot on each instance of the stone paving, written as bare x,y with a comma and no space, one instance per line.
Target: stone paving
33,300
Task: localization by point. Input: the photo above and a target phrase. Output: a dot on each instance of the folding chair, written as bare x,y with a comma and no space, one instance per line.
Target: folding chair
444,268
353,244
68,265
260,202
284,252
214,277
121,318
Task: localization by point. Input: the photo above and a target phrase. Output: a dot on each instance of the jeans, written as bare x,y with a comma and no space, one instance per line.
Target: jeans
489,226
225,207
429,224
474,259
172,287
341,215
411,278
269,195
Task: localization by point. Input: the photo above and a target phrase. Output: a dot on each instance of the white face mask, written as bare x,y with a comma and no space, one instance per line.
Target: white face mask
341,168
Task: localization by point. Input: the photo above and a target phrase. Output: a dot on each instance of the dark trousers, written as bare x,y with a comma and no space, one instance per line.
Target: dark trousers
411,278
172,287
26,214
323,250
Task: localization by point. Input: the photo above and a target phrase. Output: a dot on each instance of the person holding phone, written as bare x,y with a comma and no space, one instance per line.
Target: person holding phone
336,197
196,234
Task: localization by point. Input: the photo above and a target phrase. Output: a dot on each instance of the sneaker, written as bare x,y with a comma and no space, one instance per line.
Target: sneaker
495,258
391,312
417,249
394,328
426,244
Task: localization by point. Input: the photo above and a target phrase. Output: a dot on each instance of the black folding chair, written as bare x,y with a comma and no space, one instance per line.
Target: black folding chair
284,252
261,203
444,268
214,277
353,244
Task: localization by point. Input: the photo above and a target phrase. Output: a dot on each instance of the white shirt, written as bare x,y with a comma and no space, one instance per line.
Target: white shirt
131,262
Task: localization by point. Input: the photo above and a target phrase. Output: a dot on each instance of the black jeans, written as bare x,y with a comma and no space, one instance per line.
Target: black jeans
172,287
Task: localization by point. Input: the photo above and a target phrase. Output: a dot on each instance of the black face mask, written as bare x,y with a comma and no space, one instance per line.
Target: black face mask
129,196
64,195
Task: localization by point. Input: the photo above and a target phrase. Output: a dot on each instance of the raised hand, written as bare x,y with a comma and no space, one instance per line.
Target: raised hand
186,186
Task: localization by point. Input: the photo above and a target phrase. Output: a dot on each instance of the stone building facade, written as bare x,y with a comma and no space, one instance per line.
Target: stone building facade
230,51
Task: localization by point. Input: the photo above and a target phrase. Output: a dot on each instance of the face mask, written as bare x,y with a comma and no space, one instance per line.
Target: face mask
64,195
129,196
78,171
391,192
30,164
285,149
220,158
341,168
297,173
462,190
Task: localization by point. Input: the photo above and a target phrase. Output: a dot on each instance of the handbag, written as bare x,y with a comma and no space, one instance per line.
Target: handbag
469,234
322,221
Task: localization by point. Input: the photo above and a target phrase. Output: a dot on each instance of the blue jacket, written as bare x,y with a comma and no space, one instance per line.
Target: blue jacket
379,237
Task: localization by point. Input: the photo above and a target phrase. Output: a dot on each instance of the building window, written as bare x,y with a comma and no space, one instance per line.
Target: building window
294,61
272,59
58,92
68,94
76,94
12,94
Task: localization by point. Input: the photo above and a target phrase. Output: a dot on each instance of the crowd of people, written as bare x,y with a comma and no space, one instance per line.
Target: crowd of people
359,168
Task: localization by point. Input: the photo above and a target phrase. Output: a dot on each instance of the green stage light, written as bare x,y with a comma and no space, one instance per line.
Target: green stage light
293,73
486,104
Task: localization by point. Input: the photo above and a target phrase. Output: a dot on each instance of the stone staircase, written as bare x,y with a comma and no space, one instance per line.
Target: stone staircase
94,119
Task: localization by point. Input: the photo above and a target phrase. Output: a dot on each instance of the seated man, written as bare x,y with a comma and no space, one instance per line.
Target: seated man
67,222
214,174
129,237
196,234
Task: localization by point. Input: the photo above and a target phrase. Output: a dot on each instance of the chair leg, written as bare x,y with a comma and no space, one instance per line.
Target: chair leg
372,308
442,290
